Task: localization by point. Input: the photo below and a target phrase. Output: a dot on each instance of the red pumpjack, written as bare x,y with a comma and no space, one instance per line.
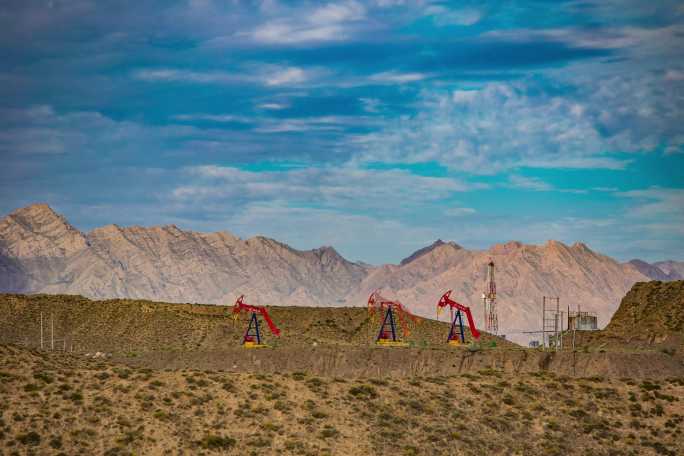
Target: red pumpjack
387,335
456,333
252,336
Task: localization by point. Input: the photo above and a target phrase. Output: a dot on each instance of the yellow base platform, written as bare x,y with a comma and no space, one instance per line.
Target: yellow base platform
391,343
254,345
454,343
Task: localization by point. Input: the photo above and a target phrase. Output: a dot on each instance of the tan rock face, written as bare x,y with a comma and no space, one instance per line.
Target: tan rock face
41,252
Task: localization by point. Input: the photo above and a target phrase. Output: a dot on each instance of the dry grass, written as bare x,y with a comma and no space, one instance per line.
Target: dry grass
52,404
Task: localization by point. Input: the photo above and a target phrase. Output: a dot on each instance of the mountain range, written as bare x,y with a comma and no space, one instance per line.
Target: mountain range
41,252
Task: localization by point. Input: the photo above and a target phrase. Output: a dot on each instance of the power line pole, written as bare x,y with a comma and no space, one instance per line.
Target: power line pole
52,332
41,330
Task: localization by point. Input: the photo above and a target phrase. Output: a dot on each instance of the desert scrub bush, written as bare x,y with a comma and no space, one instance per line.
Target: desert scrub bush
155,384
292,445
271,427
122,373
102,376
31,387
30,438
315,384
281,406
508,399
319,415
363,392
44,377
649,386
56,442
329,432
299,376
217,442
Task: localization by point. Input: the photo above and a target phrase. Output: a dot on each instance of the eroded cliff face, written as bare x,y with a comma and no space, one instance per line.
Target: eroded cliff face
41,252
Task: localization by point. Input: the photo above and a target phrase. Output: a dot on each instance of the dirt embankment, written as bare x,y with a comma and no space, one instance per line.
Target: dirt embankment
406,362
650,317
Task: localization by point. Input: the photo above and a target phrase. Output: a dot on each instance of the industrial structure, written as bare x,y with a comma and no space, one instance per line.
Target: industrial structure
491,318
552,323
456,332
252,336
582,320
389,311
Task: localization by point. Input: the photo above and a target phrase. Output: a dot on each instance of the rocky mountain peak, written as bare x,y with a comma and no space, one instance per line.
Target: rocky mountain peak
37,230
438,244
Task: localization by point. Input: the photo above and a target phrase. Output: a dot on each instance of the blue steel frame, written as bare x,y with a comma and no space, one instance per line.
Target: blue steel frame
388,321
457,318
253,326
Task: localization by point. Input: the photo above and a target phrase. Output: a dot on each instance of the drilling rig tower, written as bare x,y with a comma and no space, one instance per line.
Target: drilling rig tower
489,300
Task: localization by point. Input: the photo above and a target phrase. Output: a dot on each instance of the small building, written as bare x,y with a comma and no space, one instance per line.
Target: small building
582,321
534,344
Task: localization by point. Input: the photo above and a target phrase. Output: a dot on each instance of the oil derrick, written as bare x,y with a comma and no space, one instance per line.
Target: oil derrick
491,318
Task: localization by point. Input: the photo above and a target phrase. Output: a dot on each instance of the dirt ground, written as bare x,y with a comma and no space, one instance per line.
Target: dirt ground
63,404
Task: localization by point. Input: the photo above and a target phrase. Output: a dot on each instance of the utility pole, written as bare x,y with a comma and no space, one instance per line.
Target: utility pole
41,330
52,332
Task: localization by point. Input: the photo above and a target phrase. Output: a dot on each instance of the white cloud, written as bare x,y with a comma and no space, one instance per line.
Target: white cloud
174,75
227,118
286,76
272,106
658,202
503,126
395,77
529,183
331,22
459,211
263,74
443,16
338,187
463,96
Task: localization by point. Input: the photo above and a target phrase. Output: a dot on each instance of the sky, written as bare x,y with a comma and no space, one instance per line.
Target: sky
375,127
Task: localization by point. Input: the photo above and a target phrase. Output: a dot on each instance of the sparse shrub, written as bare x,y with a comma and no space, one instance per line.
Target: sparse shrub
363,392
30,387
319,415
31,438
102,376
649,386
217,442
329,432
56,442
299,376
44,377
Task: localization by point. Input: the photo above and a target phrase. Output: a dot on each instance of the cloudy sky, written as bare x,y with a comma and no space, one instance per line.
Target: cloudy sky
376,127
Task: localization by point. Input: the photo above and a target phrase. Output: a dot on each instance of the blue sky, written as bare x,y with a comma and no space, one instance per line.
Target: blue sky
375,127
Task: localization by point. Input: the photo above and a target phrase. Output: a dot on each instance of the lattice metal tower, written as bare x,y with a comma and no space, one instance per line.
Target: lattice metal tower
489,300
